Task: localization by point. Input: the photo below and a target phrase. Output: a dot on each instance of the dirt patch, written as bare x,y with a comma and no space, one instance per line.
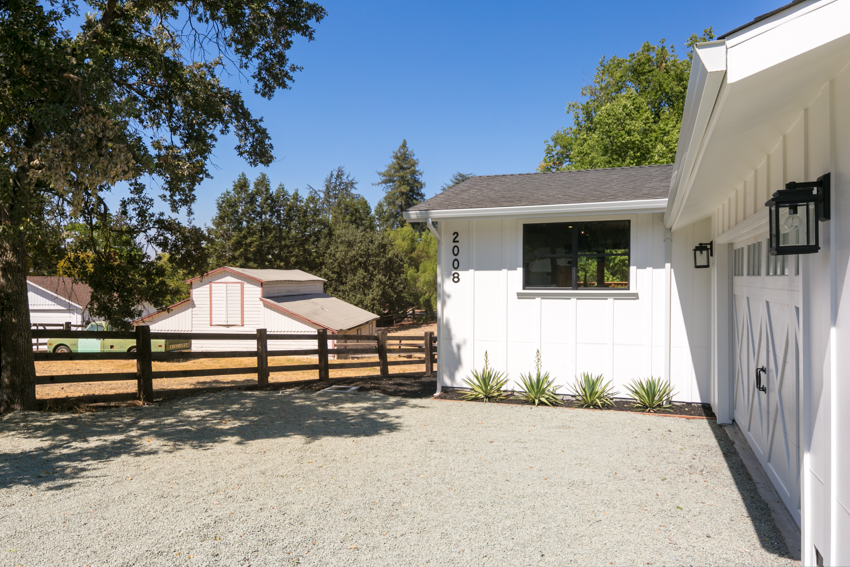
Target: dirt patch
678,409
411,329
54,393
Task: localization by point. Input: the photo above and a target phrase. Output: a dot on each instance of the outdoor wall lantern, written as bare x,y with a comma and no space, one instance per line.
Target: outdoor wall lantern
702,253
794,215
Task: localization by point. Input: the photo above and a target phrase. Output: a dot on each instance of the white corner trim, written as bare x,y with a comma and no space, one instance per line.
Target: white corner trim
577,293
640,206
752,226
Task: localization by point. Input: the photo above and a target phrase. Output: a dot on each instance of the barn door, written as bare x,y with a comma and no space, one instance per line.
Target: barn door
766,318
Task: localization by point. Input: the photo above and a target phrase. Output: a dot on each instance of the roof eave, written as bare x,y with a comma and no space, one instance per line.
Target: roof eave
622,207
708,73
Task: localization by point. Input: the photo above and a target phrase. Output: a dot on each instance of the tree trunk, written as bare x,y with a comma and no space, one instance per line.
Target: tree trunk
17,369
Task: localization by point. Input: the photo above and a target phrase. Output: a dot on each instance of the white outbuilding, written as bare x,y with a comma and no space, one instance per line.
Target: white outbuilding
241,300
759,197
54,301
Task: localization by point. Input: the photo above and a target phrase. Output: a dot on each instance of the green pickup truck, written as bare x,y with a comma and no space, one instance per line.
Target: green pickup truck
113,345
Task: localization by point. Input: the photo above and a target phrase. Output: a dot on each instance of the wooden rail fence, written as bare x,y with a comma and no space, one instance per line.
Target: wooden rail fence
144,375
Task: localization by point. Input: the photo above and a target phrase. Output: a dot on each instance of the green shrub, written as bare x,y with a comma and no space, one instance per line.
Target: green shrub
652,394
538,388
589,391
486,385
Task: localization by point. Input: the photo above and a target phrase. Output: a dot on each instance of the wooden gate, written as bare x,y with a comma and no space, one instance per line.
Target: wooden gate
767,375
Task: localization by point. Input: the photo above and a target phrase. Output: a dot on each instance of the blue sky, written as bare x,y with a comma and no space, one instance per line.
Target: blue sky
473,86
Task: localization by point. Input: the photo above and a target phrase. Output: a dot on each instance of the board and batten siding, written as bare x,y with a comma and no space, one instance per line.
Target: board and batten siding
621,336
809,386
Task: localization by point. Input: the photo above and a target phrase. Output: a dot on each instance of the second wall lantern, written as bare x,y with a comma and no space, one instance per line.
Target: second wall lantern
794,215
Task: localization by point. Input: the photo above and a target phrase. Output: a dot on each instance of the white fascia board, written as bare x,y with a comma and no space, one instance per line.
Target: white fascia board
57,296
620,207
708,71
786,35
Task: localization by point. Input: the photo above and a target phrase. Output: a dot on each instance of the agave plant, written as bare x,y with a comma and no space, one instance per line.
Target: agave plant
486,385
652,394
589,391
538,388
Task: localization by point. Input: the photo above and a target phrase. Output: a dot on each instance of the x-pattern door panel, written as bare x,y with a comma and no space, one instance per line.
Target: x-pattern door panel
766,333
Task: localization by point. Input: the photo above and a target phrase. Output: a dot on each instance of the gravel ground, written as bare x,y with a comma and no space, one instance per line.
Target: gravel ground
302,478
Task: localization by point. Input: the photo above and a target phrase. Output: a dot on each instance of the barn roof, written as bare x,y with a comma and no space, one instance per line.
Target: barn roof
618,184
323,310
266,275
70,289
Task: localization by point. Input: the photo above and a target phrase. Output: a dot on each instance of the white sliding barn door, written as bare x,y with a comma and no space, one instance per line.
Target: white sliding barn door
766,319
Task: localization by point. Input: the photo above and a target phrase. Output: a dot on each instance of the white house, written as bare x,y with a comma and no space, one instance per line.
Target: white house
575,264
764,337
55,300
239,300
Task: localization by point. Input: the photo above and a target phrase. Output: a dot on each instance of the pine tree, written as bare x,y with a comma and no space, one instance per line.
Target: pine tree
403,187
457,179
341,204
365,268
255,227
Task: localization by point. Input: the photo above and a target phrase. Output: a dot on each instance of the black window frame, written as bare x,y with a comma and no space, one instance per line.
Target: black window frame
575,255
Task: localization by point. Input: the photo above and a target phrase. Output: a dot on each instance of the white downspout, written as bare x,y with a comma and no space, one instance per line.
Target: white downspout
668,298
436,234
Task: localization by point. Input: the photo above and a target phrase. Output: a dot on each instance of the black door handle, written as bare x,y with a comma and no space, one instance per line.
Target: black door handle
759,386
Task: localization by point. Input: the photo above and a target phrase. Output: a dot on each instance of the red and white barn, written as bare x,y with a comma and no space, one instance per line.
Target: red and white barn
241,300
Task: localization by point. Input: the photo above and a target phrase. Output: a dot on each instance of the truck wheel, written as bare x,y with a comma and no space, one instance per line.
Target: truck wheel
62,349
131,349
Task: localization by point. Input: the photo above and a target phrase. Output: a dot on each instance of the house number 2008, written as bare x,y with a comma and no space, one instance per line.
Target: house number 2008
455,254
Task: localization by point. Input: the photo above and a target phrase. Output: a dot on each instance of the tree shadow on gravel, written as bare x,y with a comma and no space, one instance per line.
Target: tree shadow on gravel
770,537
60,448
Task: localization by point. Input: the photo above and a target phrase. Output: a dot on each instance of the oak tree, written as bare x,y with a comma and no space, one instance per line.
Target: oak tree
131,94
631,112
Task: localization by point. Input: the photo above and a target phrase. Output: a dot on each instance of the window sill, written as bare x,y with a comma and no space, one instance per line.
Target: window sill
582,293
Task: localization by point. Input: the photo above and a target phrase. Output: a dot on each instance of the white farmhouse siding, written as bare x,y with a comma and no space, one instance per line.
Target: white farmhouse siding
48,308
770,104
617,333
240,301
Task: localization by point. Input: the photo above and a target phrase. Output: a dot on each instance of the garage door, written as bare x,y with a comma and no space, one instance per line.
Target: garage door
767,376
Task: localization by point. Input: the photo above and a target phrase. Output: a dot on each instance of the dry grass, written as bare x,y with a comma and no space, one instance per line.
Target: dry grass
58,391
247,379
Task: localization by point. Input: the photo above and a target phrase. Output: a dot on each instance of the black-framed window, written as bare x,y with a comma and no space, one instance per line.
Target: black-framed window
575,255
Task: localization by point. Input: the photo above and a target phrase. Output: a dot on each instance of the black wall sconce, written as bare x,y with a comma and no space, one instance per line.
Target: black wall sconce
794,215
702,253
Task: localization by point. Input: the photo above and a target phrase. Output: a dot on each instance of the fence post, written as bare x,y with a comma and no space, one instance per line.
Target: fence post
382,353
262,359
429,354
67,326
144,363
324,370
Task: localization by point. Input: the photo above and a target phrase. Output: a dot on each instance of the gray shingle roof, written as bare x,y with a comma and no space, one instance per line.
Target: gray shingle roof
556,188
324,310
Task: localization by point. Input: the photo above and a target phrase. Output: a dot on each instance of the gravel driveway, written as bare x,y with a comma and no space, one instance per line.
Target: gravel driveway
298,478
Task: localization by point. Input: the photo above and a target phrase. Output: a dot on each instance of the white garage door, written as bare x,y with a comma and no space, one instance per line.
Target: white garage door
767,321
